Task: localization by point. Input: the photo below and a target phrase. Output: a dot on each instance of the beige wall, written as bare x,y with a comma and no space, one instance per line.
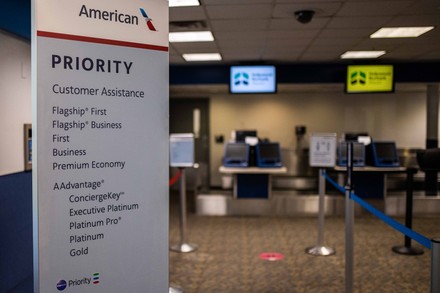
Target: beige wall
400,117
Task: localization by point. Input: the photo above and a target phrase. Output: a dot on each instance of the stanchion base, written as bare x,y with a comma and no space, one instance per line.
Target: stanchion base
183,247
407,250
320,250
175,289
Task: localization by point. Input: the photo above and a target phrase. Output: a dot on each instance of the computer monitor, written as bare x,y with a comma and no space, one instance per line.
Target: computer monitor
268,154
383,154
354,136
236,155
240,135
358,154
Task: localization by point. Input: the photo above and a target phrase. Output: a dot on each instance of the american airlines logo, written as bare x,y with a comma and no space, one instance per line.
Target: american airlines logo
147,20
116,16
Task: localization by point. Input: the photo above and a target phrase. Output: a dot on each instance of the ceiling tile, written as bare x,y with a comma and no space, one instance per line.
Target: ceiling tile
238,56
422,7
372,8
358,22
231,45
284,44
293,35
415,20
187,13
291,56
239,11
267,29
327,56
431,55
239,25
340,42
380,44
201,47
240,37
346,33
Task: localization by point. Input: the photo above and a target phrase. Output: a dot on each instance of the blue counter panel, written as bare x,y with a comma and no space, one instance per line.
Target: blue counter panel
16,233
254,186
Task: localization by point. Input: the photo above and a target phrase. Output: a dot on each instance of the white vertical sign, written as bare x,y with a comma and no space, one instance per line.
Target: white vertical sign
323,150
100,105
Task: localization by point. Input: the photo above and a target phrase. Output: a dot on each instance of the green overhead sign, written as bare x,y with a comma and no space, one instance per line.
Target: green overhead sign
369,79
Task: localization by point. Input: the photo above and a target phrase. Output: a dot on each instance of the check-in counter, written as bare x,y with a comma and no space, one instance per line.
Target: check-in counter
252,182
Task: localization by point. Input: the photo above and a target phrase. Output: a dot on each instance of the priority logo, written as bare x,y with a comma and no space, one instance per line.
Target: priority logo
358,77
61,285
148,20
96,278
84,281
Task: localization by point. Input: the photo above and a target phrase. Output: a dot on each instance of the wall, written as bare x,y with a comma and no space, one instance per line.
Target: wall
400,117
16,233
15,100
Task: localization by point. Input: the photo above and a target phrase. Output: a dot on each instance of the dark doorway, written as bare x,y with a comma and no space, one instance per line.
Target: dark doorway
183,119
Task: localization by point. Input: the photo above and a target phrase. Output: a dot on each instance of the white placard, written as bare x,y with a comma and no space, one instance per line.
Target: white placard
182,150
100,106
323,150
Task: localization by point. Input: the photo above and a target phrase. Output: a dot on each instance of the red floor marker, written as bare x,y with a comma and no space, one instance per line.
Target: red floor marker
271,256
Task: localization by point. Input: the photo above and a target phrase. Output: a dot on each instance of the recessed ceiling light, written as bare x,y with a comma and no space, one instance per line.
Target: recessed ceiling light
202,57
202,36
362,54
401,32
180,3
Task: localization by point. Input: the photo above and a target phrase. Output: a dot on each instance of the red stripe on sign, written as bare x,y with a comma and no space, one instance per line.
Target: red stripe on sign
100,41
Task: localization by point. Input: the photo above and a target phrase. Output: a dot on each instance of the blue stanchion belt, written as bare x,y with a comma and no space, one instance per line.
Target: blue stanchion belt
389,221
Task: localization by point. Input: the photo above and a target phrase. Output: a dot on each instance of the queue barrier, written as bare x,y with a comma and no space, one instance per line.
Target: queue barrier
433,245
182,246
388,220
175,178
175,288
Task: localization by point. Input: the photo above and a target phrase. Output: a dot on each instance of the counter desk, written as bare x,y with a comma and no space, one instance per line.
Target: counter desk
252,182
370,182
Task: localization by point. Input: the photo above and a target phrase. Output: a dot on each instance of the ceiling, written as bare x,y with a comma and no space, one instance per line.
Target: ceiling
267,31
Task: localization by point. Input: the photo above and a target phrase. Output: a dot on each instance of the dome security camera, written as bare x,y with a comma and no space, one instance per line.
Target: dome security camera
304,16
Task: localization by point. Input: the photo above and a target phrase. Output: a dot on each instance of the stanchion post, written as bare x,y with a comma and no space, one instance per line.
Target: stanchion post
349,222
435,265
183,246
175,289
320,249
406,248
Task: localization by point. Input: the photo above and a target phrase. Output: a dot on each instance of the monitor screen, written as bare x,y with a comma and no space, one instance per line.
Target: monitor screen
269,150
358,154
236,155
358,150
386,150
369,79
385,154
252,79
236,150
268,155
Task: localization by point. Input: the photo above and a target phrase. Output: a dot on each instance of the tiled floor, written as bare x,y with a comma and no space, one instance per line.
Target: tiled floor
227,259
